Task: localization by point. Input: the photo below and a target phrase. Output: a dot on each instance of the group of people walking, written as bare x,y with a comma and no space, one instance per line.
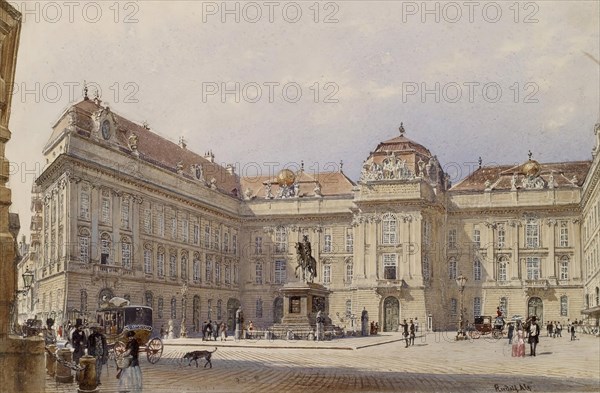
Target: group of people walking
214,330
408,331
529,331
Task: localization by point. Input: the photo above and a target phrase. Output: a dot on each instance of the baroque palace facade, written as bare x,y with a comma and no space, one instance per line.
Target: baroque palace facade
124,212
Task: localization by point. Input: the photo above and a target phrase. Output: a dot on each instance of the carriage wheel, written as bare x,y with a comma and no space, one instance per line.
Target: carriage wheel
119,349
497,334
154,350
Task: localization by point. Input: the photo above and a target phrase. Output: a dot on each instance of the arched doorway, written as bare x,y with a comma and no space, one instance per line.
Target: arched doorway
535,307
391,314
232,306
277,309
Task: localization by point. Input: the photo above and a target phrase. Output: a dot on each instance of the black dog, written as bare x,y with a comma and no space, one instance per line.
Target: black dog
195,355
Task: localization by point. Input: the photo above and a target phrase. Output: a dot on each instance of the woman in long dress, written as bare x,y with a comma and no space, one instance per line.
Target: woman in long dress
131,377
518,346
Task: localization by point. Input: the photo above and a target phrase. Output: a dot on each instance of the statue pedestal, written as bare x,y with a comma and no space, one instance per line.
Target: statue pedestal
301,302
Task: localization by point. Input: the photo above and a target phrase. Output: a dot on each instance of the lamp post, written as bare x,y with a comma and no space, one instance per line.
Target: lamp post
184,289
461,281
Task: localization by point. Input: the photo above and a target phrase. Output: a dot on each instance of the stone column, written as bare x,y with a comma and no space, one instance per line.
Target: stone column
550,239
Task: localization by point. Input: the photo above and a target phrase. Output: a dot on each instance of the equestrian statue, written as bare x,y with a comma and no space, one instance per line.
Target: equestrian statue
306,262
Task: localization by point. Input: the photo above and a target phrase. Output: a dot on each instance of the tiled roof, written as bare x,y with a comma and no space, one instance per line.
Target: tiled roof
332,184
164,153
566,174
402,143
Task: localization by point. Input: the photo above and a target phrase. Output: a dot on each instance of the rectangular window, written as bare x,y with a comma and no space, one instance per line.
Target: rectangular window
226,242
280,240
147,261
173,265
390,264
564,234
349,240
348,307
216,240
197,234
502,273
349,273
227,274
390,230
126,254
280,272
533,268
174,228
426,232
477,270
258,245
125,213
453,306
105,209
84,204
476,306
160,224
564,306
452,238
185,231
84,249
196,268
234,244
258,274
326,274
259,308
327,241
217,272
532,234
564,268
147,221
207,236
501,237
476,238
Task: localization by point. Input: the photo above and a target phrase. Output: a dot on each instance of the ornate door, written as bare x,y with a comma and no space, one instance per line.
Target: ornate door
536,307
391,314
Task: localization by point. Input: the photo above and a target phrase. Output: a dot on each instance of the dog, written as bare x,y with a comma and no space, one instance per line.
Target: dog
195,355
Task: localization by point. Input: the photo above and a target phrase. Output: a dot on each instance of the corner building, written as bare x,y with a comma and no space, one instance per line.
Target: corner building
128,213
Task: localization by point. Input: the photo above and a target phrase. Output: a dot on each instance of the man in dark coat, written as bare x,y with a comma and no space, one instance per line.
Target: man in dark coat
405,332
534,335
79,341
97,348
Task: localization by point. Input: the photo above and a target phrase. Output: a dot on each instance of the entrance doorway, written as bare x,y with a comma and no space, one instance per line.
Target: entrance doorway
232,306
536,307
391,314
277,309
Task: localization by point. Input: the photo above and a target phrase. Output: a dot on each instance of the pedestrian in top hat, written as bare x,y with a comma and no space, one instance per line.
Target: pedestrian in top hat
534,335
405,332
49,334
97,348
78,340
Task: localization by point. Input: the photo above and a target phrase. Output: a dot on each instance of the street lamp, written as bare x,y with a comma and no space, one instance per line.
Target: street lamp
27,281
184,289
461,281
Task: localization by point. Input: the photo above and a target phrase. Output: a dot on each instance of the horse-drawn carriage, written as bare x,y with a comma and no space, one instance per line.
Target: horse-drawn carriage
487,325
116,321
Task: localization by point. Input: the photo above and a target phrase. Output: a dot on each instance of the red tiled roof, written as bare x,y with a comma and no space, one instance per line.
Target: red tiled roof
159,151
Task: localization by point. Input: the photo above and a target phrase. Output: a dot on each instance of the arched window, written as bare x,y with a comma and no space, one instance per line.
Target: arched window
148,258
105,249
160,262
173,308
196,267
477,269
160,306
259,308
504,306
389,229
564,268
184,265
84,245
126,256
84,202
208,273
149,298
452,268
172,263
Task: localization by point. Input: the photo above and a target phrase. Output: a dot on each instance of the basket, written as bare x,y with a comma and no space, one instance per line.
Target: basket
124,362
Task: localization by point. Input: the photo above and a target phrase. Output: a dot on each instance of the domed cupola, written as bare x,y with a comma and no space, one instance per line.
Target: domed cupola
400,158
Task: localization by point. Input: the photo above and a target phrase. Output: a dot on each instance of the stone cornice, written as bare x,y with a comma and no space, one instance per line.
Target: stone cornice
10,10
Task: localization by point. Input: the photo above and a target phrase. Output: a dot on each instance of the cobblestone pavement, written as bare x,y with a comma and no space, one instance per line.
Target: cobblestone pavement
434,364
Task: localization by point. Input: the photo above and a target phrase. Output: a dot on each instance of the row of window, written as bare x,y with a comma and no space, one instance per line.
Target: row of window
477,306
281,242
533,266
280,276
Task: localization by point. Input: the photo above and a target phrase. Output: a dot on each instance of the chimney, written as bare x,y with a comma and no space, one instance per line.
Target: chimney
182,143
209,156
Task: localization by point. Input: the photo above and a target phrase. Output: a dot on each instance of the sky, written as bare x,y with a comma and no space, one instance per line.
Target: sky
276,83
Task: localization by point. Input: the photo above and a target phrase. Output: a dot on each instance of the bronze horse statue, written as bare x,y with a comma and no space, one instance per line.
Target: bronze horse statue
306,261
